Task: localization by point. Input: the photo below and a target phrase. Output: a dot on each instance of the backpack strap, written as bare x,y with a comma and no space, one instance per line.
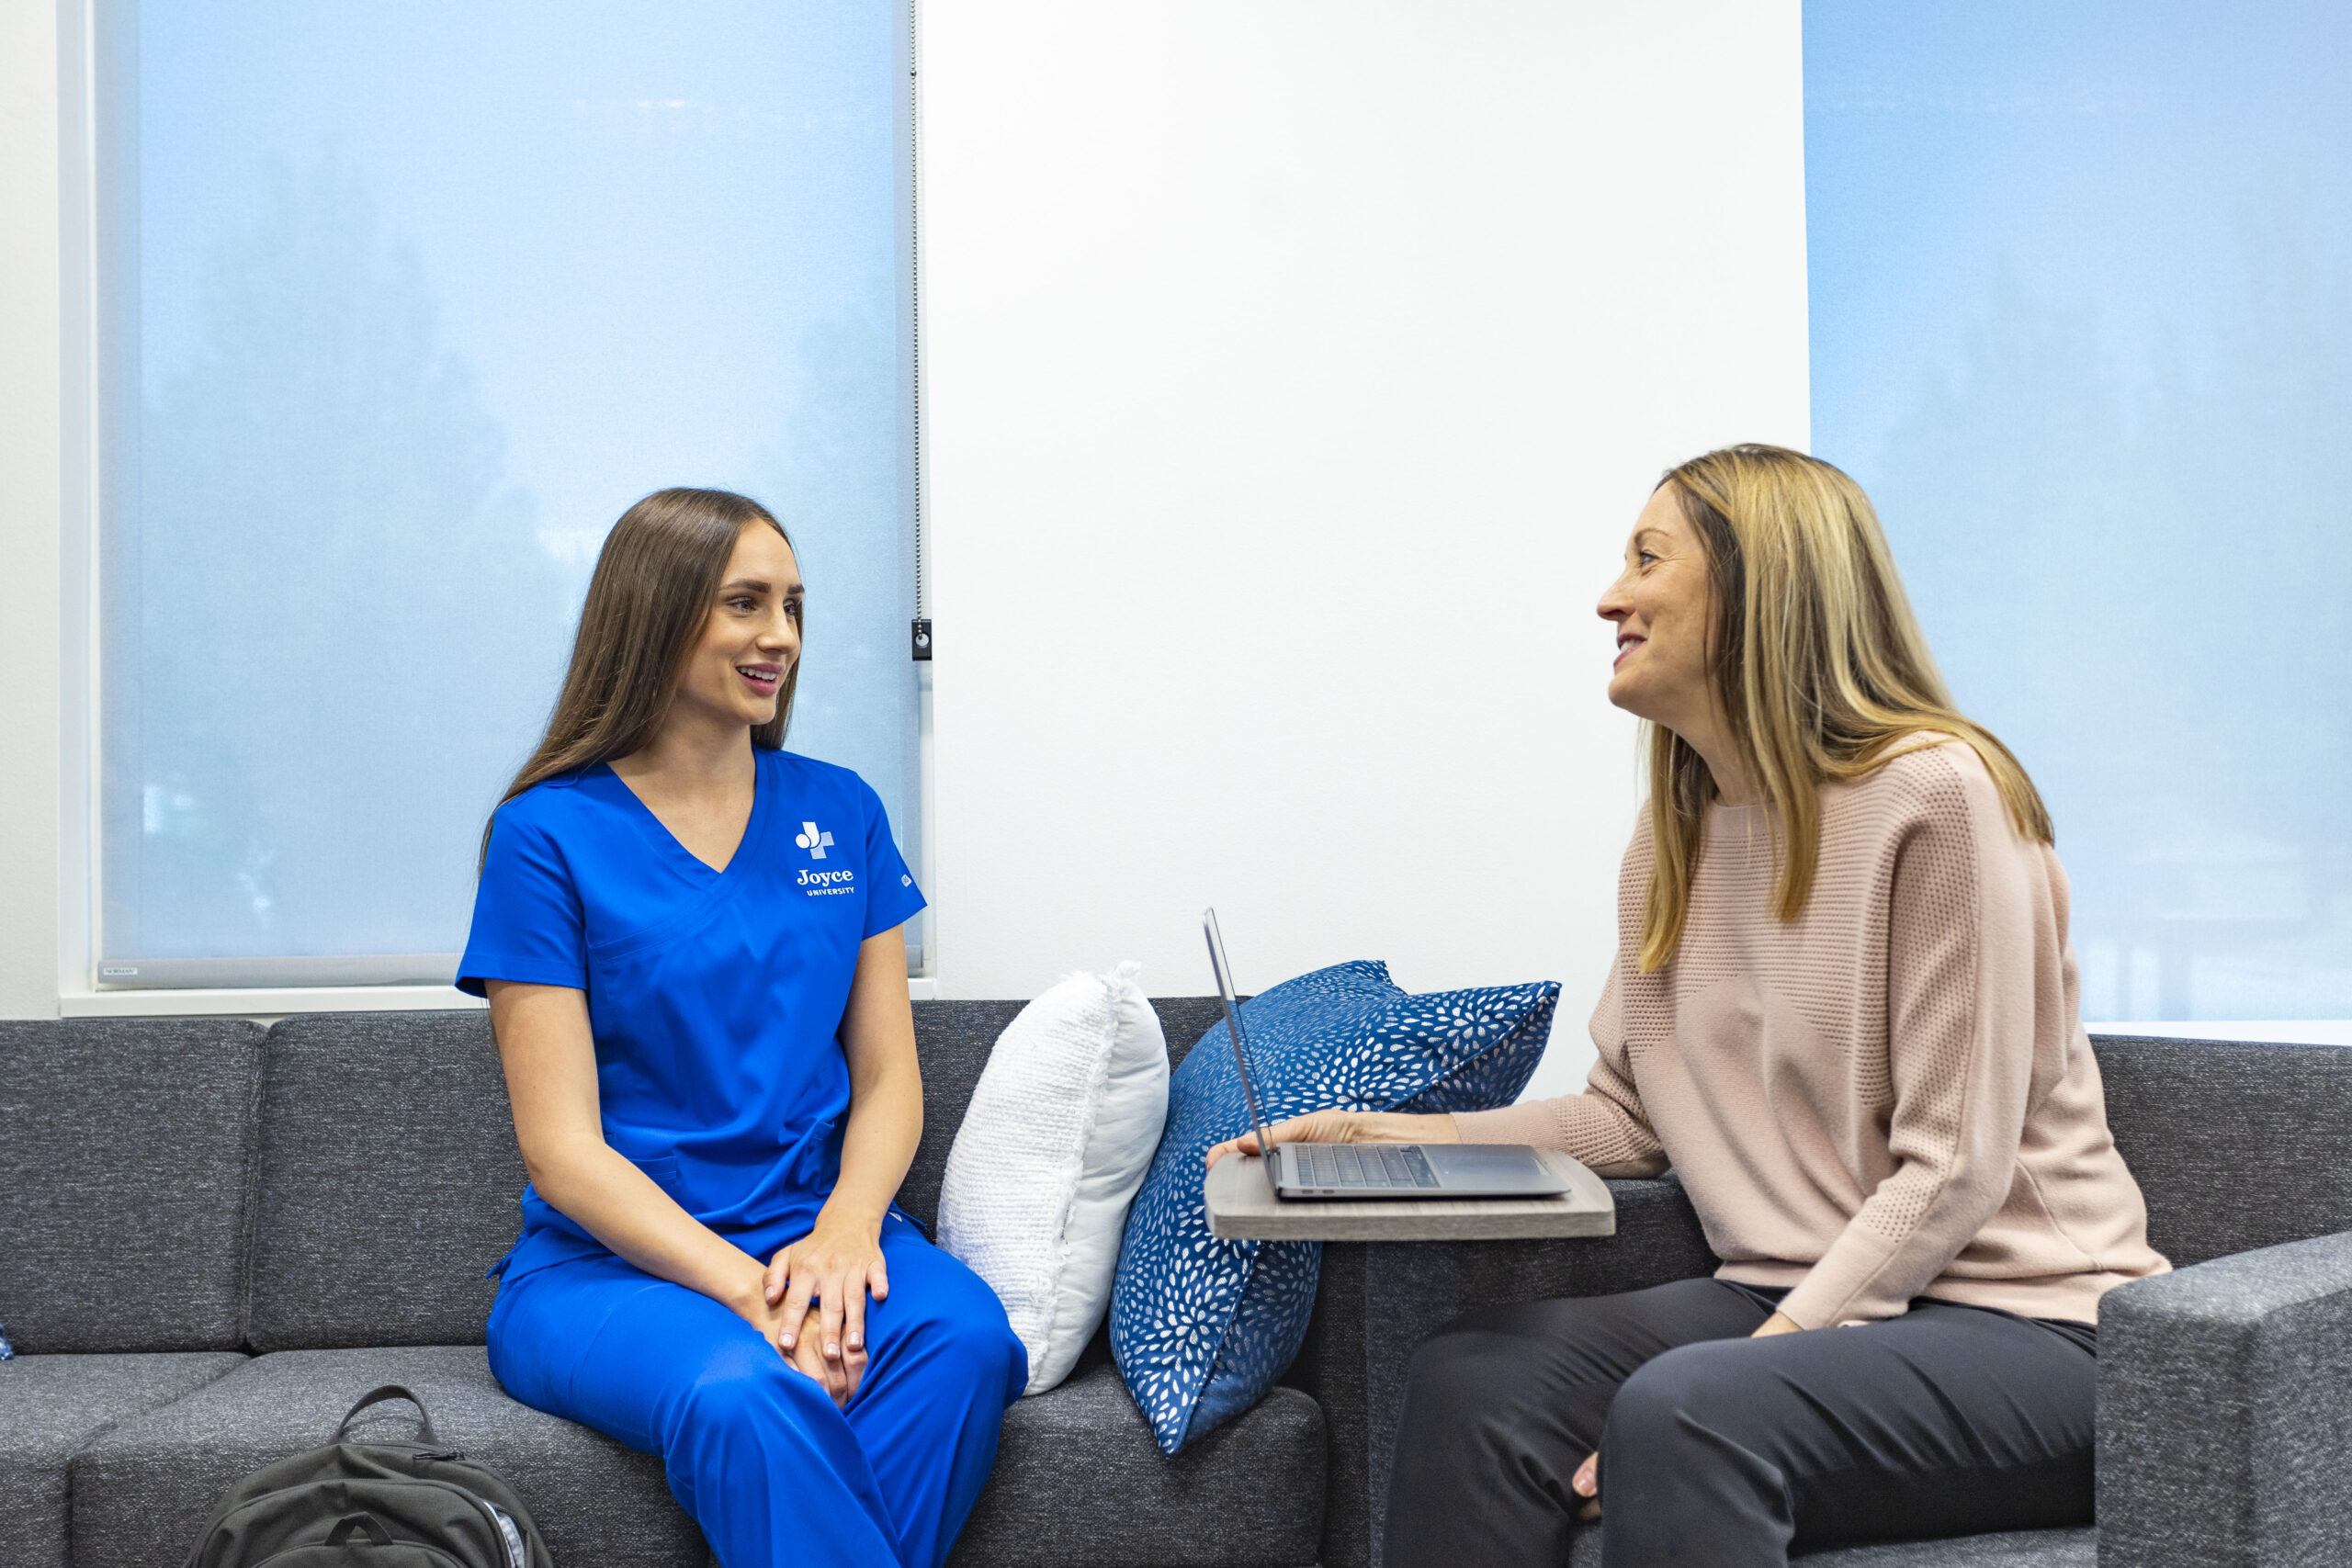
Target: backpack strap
351,1523
424,1432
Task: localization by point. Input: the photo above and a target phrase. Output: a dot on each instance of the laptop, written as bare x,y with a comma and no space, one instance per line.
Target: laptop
1377,1171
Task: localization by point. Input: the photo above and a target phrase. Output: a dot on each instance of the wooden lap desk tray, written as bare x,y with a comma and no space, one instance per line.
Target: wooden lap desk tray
1242,1207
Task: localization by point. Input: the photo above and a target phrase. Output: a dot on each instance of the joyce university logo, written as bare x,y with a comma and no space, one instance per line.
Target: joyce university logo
812,840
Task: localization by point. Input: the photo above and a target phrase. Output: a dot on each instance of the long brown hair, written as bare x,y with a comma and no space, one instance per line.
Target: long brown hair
1817,663
647,604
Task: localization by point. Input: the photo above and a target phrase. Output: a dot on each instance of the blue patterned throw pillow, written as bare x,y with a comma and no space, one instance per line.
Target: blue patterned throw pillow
1203,1327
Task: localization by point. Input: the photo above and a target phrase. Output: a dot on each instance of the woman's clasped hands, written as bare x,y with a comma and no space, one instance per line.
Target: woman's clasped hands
827,1276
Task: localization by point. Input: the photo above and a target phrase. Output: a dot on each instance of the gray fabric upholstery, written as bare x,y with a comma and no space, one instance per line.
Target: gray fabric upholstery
1185,1019
2225,1409
2222,1135
954,1039
2020,1549
142,1491
1078,1482
2007,1549
51,1405
344,1257
126,1151
390,1182
1331,1367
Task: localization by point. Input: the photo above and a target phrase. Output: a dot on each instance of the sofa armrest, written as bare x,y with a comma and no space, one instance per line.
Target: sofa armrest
1377,1301
2225,1411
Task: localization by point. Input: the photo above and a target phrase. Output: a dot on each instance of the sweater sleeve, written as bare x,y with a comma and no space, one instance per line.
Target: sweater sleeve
1964,987
1604,1126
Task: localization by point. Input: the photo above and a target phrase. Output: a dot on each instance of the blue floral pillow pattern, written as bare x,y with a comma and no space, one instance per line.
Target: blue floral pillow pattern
1203,1327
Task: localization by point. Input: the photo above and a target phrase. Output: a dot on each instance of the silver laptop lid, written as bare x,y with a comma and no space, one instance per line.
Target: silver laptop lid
1233,1027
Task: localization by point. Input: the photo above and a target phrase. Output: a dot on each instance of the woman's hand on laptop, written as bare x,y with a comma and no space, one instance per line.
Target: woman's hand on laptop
1344,1127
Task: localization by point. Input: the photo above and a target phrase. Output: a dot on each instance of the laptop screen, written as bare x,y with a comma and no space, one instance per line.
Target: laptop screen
1233,1027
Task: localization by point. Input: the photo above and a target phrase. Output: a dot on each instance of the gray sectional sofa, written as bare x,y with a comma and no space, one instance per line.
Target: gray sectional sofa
213,1237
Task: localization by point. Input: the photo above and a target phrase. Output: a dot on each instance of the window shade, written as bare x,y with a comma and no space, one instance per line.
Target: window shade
402,303
2082,325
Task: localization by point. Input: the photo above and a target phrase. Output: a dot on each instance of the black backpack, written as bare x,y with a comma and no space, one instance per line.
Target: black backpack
351,1505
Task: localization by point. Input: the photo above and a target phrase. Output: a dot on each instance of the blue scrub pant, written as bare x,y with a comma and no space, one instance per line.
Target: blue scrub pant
755,1450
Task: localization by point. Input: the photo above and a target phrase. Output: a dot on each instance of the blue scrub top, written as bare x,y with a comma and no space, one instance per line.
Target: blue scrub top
715,998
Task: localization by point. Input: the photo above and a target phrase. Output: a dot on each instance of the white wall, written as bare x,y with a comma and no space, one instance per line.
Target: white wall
30,471
1293,372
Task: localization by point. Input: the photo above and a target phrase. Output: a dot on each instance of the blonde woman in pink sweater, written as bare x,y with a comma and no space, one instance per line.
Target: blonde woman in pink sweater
1844,1012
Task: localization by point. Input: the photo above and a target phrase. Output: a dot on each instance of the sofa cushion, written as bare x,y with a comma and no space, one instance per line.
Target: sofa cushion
2008,1549
141,1492
1080,1483
2226,1410
390,1176
389,1180
126,1149
51,1405
2236,1145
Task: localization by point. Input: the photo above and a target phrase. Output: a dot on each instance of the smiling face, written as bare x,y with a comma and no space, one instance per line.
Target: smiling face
1663,606
751,638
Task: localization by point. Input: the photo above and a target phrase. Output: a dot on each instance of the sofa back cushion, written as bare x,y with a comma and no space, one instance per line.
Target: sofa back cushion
389,1180
2236,1146
954,1039
126,1157
389,1176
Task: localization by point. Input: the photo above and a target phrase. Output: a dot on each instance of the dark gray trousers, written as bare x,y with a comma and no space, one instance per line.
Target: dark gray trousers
1718,1450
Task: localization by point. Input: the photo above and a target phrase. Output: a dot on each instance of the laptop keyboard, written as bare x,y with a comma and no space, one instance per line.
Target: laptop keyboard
1362,1164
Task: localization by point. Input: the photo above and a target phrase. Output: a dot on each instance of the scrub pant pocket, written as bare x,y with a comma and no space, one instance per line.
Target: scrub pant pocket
755,1450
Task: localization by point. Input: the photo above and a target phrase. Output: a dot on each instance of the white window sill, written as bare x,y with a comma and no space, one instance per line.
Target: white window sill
279,1001
265,1001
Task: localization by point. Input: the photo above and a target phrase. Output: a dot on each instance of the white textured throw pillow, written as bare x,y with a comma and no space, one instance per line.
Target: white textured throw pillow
1053,1147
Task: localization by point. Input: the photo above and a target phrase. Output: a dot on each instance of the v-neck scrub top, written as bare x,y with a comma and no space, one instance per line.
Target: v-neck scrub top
715,998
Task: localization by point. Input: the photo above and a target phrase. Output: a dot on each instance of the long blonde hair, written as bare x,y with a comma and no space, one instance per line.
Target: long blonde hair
1819,666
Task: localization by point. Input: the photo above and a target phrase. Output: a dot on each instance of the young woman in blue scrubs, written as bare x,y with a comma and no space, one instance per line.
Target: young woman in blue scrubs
689,938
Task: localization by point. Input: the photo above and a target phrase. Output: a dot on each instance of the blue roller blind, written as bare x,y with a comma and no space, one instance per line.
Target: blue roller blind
2082,325
402,303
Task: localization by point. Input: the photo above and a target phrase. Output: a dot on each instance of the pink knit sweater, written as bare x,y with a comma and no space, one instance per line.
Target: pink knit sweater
1891,1095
